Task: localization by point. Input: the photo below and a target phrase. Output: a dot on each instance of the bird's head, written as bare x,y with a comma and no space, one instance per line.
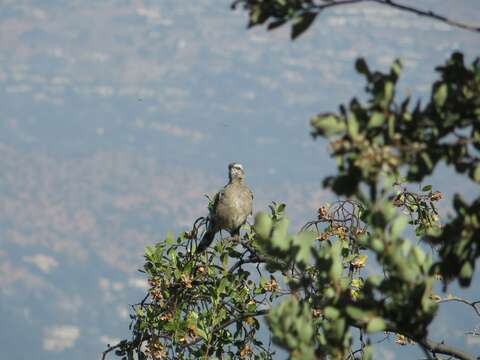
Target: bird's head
236,172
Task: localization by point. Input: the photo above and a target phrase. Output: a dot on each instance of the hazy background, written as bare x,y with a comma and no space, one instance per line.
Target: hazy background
116,116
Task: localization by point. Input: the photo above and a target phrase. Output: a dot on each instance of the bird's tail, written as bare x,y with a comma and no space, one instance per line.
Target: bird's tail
206,241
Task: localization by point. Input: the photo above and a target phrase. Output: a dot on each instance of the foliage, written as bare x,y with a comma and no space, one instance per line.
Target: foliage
198,305
385,140
301,14
311,285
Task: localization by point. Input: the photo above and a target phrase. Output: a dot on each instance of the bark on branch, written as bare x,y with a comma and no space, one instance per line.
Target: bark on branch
444,349
406,8
428,14
433,346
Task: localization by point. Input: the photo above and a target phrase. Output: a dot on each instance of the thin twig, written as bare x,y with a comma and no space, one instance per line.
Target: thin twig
228,323
318,7
256,259
444,349
473,304
428,14
333,3
406,8
433,346
111,348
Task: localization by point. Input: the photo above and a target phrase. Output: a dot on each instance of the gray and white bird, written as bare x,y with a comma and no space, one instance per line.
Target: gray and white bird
231,207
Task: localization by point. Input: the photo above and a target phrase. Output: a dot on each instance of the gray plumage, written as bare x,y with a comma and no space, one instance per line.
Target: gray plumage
231,207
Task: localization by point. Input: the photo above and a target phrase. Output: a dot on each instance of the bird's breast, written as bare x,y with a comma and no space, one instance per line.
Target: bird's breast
233,208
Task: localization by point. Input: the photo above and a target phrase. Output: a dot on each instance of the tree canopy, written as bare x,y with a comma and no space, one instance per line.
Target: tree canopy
310,284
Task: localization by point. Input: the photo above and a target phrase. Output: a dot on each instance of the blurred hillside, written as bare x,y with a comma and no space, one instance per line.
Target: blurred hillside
117,116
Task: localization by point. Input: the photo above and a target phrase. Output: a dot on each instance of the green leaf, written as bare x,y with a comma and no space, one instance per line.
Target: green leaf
374,280
398,225
336,268
201,333
304,241
172,254
263,225
192,318
279,235
302,23
328,124
377,119
420,256
305,332
427,160
466,273
362,67
377,245
149,251
427,188
355,313
139,311
391,126
388,91
476,174
338,328
257,16
275,24
331,313
440,95
396,68
222,286
169,239
375,324
352,125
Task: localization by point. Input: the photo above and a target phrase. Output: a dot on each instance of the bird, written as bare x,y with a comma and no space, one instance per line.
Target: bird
231,207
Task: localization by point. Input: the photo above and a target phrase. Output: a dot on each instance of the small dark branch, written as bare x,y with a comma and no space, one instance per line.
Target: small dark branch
334,3
251,260
442,348
110,348
228,323
473,304
434,347
254,257
475,332
351,355
136,343
249,247
428,14
428,354
312,6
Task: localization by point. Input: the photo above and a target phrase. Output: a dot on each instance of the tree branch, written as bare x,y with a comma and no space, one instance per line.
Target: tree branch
230,322
251,260
335,3
410,9
473,304
433,346
442,348
428,14
111,348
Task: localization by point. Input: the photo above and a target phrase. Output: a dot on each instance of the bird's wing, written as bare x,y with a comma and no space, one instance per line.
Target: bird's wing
216,199
251,194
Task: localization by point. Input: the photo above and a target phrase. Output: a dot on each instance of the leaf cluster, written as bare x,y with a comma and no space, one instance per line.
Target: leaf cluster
386,140
311,284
